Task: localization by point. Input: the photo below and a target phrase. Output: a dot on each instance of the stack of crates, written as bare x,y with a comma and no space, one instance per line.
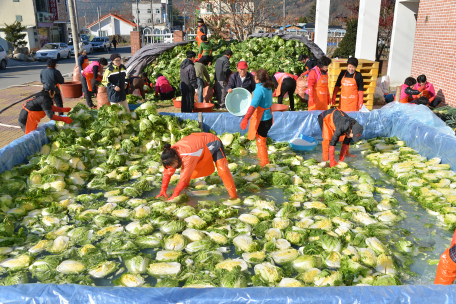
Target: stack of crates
369,70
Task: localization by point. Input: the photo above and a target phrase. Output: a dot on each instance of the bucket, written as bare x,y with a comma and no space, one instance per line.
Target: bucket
71,89
279,107
303,143
203,107
177,103
238,101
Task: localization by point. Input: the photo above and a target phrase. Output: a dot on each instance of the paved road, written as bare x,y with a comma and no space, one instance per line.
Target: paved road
18,72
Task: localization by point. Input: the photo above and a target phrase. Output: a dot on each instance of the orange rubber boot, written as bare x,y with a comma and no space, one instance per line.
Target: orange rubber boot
258,146
446,270
348,152
325,148
263,151
227,178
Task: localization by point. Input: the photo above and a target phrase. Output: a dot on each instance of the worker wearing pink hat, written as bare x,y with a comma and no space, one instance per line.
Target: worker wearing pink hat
241,79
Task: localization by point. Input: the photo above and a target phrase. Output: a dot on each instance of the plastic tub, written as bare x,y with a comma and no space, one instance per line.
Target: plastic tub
203,107
238,101
71,89
133,107
303,143
177,103
276,107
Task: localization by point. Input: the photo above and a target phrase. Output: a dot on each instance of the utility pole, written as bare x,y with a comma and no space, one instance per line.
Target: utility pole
99,21
73,30
152,14
137,16
284,22
76,13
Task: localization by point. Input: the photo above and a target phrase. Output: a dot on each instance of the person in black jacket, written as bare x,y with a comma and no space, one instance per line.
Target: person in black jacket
83,57
52,77
188,82
241,79
334,123
33,110
222,73
114,43
115,79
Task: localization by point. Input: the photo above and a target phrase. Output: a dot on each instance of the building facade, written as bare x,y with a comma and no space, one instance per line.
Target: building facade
111,24
144,13
45,20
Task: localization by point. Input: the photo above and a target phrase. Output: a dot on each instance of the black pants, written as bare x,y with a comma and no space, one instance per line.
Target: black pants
264,127
87,93
288,86
217,150
58,101
436,102
115,46
347,140
168,96
22,126
188,95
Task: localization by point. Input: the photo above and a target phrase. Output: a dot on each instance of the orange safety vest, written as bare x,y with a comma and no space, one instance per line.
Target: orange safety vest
279,87
329,128
255,122
205,165
320,93
349,94
33,118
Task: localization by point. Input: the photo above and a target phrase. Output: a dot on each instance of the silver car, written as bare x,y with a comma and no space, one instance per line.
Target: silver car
101,43
54,51
3,58
86,45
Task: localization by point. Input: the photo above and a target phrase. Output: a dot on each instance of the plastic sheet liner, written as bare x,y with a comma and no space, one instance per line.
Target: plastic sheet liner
17,151
76,294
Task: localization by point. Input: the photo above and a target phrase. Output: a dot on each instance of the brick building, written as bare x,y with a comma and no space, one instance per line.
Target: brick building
435,46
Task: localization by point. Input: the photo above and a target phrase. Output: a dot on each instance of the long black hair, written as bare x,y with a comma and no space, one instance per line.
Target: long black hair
169,156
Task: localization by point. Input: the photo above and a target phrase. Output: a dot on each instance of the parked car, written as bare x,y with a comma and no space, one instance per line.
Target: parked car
53,51
84,37
3,58
101,43
86,45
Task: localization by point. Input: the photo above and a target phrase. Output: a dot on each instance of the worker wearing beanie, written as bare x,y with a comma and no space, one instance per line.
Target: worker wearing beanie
52,77
241,79
34,109
260,114
196,155
202,30
318,89
352,93
115,79
334,123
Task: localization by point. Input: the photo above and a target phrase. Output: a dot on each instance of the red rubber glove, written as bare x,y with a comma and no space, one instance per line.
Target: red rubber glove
311,102
180,186
66,120
247,116
360,99
332,156
59,109
335,91
165,183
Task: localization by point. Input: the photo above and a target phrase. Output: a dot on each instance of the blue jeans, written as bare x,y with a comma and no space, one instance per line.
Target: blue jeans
200,83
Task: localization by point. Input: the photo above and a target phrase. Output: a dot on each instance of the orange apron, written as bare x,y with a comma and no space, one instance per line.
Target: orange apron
198,36
89,78
201,55
329,128
33,118
405,100
205,165
349,94
320,94
279,87
255,122
85,63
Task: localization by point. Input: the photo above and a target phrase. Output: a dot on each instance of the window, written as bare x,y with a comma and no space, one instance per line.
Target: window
238,8
15,0
148,10
209,7
149,21
19,18
157,21
59,1
41,6
157,11
1,48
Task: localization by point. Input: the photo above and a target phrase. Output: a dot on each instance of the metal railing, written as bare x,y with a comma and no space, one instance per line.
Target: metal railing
157,35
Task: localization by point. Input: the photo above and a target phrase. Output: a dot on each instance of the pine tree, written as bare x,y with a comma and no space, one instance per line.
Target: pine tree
302,19
13,34
312,13
347,46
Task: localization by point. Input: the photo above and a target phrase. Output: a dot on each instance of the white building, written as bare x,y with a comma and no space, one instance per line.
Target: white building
144,13
112,24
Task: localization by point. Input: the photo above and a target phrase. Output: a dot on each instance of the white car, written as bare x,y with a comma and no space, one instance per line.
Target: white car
101,43
54,51
3,58
86,45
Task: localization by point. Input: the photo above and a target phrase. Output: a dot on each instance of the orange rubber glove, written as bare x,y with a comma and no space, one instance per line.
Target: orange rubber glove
360,99
335,91
332,156
180,186
59,109
245,120
66,120
165,183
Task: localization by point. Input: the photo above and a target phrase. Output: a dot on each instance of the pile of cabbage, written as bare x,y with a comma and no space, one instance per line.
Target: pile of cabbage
430,182
83,211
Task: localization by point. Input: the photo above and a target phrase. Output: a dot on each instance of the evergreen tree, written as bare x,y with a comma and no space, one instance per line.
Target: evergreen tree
302,19
312,13
347,46
14,35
